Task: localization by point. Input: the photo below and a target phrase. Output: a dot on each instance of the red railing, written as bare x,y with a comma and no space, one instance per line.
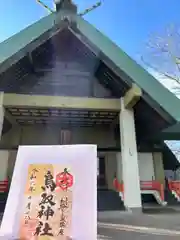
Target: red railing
145,185
174,186
153,185
119,186
4,185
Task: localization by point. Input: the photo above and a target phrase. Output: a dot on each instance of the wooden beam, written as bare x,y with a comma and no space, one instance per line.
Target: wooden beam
39,101
9,117
132,96
6,114
31,45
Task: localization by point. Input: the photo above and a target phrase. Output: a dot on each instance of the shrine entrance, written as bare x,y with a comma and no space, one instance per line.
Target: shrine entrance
101,173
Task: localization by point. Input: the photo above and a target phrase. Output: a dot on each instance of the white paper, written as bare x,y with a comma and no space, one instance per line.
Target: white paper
83,159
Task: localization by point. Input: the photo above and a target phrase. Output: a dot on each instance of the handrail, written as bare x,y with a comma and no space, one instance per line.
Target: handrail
174,186
153,185
144,185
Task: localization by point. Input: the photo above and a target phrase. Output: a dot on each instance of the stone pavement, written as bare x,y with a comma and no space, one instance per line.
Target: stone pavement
107,234
155,225
168,219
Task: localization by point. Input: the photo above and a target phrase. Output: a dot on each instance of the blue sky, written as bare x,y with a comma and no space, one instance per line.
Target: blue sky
126,22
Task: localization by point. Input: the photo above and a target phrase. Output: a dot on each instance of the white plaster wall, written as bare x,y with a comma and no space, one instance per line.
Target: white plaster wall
4,155
146,166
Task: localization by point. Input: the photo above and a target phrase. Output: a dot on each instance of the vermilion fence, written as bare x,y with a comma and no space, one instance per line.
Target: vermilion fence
4,185
118,185
174,186
145,185
153,185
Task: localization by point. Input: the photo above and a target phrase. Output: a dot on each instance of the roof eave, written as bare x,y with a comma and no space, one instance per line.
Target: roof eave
17,46
156,91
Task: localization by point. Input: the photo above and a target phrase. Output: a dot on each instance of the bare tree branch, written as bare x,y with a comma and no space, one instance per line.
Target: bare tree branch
163,74
162,57
163,54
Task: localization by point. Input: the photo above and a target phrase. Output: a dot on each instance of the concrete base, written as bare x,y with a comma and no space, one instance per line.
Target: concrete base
109,215
137,210
117,214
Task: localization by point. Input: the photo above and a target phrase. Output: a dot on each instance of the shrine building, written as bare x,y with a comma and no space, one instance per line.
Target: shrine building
64,82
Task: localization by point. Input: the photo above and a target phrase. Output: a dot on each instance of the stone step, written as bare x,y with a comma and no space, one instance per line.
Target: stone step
109,200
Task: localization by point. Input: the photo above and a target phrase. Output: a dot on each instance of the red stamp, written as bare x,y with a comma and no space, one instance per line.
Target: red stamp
64,180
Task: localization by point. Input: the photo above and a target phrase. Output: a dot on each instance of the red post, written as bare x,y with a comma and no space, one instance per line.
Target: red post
162,191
